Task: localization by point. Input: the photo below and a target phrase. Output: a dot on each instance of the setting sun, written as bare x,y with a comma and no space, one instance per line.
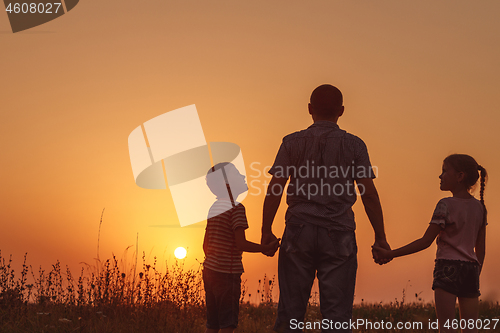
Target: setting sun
180,253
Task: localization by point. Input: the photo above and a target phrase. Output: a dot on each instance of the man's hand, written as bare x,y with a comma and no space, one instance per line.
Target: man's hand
382,254
380,244
271,247
270,238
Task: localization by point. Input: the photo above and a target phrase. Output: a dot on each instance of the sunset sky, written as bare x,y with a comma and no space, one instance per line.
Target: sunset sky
420,81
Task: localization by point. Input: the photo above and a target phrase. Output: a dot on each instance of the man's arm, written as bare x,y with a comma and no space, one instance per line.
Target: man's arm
272,202
373,209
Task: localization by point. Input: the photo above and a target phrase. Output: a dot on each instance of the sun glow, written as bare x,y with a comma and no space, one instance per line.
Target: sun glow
180,253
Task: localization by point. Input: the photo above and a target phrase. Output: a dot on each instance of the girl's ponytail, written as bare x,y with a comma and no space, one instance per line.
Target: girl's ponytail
481,189
468,165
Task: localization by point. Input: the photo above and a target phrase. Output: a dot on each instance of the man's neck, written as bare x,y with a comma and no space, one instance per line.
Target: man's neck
333,120
323,120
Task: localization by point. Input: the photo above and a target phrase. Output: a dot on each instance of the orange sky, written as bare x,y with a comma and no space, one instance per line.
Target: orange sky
420,81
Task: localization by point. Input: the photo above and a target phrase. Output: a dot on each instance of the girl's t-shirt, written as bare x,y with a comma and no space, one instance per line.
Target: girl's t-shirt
460,221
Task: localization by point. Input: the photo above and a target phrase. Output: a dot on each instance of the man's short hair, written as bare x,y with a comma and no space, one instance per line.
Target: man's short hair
326,100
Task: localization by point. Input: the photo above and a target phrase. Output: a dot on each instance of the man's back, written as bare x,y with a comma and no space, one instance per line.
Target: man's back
322,162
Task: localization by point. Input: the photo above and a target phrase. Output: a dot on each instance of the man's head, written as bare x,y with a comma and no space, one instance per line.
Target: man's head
326,103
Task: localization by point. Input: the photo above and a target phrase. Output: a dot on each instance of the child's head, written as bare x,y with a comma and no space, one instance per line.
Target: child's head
225,181
467,165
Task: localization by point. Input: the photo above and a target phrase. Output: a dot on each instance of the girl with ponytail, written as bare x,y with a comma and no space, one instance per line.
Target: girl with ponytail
459,223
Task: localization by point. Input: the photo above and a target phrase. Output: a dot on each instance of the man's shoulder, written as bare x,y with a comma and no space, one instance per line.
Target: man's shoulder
308,132
294,135
354,138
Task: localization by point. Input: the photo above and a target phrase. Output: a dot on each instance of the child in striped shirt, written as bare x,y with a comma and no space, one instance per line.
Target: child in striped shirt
223,245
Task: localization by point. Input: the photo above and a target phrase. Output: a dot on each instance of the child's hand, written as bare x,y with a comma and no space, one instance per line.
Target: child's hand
271,248
382,253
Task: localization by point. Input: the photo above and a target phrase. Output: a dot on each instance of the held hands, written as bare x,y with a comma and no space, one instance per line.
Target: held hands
381,252
271,244
271,248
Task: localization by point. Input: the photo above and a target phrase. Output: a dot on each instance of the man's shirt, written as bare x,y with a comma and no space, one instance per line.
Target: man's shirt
322,163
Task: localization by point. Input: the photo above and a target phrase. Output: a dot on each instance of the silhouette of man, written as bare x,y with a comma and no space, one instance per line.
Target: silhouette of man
325,165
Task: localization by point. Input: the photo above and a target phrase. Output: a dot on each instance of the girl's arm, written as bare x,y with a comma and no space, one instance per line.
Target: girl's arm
480,247
418,245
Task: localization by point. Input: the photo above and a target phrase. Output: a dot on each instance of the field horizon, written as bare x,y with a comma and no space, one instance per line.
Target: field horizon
105,298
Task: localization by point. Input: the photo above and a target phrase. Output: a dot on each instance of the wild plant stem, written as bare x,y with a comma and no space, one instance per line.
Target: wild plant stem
99,234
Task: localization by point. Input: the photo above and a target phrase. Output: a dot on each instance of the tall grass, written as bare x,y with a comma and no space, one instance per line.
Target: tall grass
108,297
102,299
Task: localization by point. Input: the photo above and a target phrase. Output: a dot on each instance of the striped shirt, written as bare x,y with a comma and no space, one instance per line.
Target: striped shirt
322,163
221,253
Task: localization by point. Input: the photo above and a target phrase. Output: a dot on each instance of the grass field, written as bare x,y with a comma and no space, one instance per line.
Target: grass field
104,298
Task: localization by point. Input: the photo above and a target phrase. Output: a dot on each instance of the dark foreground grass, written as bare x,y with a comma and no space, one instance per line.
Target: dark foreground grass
107,298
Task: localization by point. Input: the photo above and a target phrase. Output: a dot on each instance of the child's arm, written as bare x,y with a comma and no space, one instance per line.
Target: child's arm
480,247
415,246
244,245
